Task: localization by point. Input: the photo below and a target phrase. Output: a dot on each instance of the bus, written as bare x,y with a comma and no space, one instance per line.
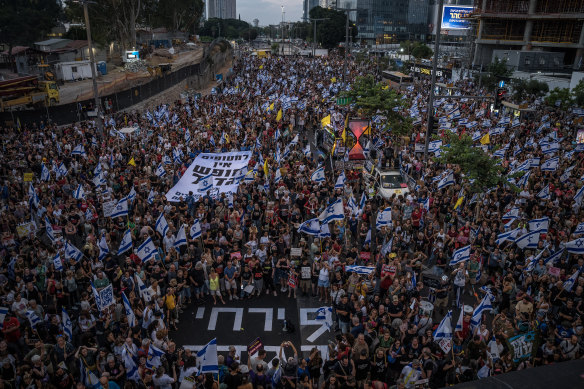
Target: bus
397,80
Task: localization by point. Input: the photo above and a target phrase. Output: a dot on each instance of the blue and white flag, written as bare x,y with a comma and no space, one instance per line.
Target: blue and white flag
512,214
310,227
524,180
160,172
368,237
434,146
340,184
49,230
33,318
195,231
153,357
34,198
352,205
126,243
187,135
103,248
550,165
57,263
459,323
207,357
446,181
544,194
325,314
79,193
132,373
324,231
72,252
146,251
132,195
205,183
550,148
477,315
361,270
166,160
45,173
161,225
569,283
67,324
151,197
334,211
579,229
318,175
383,218
528,241
129,311
386,248
79,150
444,329
507,236
576,246
88,377
460,255
181,237
61,170
121,208
579,196
541,225
278,176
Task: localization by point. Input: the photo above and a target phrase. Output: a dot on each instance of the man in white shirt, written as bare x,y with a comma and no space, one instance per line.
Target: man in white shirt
411,373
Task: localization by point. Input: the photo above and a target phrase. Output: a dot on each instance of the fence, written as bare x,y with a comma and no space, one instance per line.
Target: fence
74,112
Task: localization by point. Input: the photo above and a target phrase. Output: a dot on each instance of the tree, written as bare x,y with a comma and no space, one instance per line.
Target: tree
472,161
177,15
227,28
416,49
496,71
561,98
523,88
25,21
330,32
578,93
374,98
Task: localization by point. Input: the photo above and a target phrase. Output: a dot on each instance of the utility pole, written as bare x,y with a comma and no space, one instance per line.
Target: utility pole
98,118
314,41
433,85
347,10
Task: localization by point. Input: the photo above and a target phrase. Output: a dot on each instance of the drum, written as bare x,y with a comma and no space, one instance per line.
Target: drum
468,310
426,308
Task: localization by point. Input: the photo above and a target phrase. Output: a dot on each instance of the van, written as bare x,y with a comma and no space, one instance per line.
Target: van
388,182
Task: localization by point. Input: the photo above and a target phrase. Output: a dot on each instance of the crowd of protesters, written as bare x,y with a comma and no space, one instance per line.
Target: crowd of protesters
382,333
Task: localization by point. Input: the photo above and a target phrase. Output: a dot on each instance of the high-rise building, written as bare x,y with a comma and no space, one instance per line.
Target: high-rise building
221,9
530,25
391,21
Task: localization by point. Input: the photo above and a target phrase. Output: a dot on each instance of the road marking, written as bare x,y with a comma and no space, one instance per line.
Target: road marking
269,316
200,313
272,351
281,313
305,321
215,313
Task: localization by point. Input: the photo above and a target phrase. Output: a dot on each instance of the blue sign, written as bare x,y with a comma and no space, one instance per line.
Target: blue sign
456,17
501,84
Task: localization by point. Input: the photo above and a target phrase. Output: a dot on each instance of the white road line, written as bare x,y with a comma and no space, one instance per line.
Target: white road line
269,316
200,313
305,321
281,313
215,313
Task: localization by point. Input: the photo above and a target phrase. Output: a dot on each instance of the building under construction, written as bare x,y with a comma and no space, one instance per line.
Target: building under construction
530,25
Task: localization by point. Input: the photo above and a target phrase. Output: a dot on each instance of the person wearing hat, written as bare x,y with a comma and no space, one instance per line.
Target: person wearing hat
411,373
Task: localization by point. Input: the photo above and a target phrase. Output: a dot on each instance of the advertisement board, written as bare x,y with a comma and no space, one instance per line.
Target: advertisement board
456,17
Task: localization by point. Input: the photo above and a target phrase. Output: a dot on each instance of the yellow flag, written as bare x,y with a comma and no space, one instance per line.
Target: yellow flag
266,167
271,107
385,87
326,121
333,149
334,79
344,135
279,115
459,202
485,140
261,67
132,162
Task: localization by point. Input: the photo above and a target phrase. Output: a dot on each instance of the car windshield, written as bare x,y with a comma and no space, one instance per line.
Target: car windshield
389,181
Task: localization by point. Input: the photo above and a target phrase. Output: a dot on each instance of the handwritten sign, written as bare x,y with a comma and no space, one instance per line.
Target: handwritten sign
296,252
108,207
554,271
522,346
254,346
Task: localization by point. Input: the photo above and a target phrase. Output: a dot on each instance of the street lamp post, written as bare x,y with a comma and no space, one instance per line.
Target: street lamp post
314,41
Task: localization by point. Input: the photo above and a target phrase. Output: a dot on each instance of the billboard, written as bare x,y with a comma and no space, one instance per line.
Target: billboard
456,17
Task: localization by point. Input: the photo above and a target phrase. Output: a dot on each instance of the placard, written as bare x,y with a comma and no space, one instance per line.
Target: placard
108,207
445,345
554,271
25,229
254,347
296,252
522,346
28,177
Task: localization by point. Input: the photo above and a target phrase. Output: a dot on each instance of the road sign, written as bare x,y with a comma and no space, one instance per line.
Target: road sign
501,84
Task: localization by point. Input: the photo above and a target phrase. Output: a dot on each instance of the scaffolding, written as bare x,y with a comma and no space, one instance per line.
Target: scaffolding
522,6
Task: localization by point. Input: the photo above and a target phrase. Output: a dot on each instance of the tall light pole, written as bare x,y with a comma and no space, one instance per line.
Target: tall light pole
347,10
314,41
434,68
98,118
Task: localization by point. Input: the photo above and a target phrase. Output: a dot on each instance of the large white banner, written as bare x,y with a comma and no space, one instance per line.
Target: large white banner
226,169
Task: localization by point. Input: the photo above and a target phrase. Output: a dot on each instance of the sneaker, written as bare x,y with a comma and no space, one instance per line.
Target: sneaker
176,321
235,297
230,298
275,294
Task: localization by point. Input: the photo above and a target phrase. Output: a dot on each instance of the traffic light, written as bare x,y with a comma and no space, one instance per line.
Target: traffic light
434,125
500,94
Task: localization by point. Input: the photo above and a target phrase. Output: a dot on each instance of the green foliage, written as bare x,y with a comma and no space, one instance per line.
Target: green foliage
249,34
275,48
228,28
418,50
23,22
330,32
76,33
561,98
523,89
176,15
372,99
496,71
473,162
578,93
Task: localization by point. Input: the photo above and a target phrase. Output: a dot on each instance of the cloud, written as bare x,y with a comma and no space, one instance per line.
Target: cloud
269,11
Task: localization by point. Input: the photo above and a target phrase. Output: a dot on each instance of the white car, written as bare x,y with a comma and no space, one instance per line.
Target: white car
389,182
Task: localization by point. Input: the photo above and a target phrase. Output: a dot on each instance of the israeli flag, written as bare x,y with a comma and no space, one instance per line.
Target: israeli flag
544,194
72,252
278,176
579,229
340,184
576,246
79,193
45,173
195,231
67,324
153,358
310,227
368,237
181,237
166,160
386,249
477,315
512,214
34,199
160,172
383,218
555,257
324,231
33,318
334,211
79,150
121,208
579,195
57,263
49,230
99,179
550,165
132,195
352,205
569,283
205,184
88,378
103,248
362,270
187,135
550,148
126,243
207,358
446,181
132,373
427,205
460,255
541,225
306,150
325,314
146,251
528,241
523,181
434,146
507,236
318,175
129,311
444,329
176,157
161,225
151,196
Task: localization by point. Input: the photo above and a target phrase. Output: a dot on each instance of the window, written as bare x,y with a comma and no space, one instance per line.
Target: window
74,69
527,61
541,61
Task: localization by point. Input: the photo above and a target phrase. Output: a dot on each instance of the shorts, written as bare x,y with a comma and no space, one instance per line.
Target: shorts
230,284
304,284
216,292
323,283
